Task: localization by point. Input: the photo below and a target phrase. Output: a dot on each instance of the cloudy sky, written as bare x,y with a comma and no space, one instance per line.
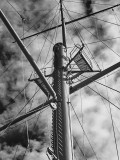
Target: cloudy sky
98,117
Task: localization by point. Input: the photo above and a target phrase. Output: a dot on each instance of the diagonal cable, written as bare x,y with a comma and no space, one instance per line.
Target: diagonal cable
83,131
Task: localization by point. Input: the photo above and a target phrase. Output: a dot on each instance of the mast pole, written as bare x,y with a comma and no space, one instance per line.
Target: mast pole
61,136
63,24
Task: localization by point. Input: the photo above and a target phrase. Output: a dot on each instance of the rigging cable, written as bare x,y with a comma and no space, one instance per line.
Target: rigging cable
82,115
116,15
102,84
95,36
21,91
14,8
104,98
43,29
16,11
95,18
73,25
55,42
81,37
52,38
111,116
37,20
112,124
35,125
100,40
6,69
103,40
83,130
116,18
56,29
28,119
111,119
38,30
91,2
21,110
27,127
26,103
24,93
80,148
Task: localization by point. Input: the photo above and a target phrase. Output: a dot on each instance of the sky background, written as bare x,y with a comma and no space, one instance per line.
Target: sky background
95,114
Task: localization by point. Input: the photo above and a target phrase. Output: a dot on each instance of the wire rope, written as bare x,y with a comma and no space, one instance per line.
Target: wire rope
33,130
35,125
103,101
111,116
100,94
52,40
56,29
11,127
91,2
47,26
95,36
82,40
22,109
37,20
105,98
18,13
73,25
27,127
102,84
96,18
6,69
116,18
116,146
103,40
20,92
84,131
100,40
80,149
24,93
50,43
82,116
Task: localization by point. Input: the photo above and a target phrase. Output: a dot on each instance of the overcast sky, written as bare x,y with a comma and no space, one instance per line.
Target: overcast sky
95,114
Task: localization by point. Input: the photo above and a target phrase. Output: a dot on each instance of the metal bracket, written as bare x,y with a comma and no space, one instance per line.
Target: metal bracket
49,153
53,106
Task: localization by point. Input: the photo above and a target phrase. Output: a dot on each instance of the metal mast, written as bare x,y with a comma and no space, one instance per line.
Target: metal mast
61,136
63,24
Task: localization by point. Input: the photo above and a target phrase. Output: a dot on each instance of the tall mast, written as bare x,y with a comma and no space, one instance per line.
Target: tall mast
61,136
63,23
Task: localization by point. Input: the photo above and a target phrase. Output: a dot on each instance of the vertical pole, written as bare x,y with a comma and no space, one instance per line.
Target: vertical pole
63,24
61,140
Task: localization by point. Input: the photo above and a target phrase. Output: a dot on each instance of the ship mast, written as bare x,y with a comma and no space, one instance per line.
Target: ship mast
61,136
63,23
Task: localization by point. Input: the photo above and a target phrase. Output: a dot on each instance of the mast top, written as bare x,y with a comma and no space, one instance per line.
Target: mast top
63,24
